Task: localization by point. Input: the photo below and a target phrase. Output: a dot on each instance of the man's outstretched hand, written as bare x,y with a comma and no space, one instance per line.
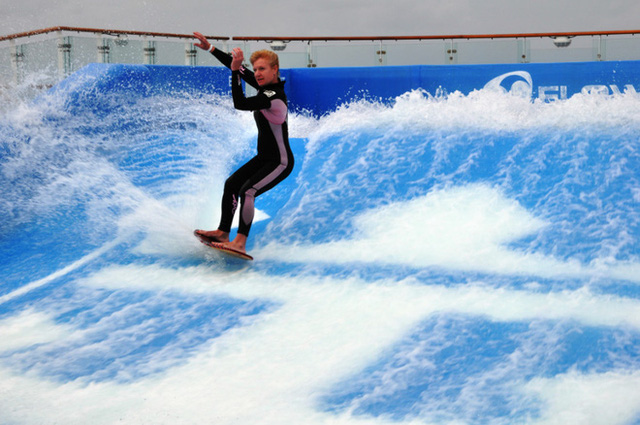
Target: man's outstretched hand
204,44
238,57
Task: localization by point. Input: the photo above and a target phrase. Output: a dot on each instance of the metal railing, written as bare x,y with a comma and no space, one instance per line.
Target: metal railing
450,44
58,51
100,31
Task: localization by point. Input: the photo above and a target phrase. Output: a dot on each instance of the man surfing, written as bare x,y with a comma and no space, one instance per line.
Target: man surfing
274,159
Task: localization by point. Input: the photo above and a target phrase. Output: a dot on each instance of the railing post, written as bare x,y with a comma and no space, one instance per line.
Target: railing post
381,52
17,61
451,52
524,50
310,63
103,50
247,50
150,53
599,49
64,55
191,55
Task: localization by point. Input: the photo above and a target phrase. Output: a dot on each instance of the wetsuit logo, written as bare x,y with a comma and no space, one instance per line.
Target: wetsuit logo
234,204
518,83
269,93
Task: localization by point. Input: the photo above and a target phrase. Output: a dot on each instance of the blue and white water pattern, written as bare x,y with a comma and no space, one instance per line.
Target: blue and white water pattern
439,259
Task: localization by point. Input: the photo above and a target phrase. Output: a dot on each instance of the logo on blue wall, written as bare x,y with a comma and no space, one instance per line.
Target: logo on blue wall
520,83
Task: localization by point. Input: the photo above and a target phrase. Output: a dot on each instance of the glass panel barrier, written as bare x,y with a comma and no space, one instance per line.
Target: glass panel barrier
49,55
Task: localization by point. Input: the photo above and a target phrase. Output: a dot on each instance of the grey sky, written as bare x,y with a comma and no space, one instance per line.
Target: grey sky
324,17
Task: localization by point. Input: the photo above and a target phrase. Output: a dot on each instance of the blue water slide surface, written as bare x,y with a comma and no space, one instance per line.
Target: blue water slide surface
456,244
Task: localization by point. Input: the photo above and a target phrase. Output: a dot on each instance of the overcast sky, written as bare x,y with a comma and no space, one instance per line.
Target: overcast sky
324,17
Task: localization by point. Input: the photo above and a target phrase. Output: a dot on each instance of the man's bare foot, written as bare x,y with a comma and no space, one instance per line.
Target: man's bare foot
235,247
238,244
213,235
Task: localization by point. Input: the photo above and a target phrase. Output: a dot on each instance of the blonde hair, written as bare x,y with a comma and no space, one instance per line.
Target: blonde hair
268,55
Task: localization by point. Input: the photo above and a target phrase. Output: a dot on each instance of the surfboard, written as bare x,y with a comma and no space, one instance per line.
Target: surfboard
223,249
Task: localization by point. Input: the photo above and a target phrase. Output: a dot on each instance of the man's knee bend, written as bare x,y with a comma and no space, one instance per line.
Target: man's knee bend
248,196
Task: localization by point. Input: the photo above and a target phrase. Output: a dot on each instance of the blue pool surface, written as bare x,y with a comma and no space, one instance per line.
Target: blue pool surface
456,244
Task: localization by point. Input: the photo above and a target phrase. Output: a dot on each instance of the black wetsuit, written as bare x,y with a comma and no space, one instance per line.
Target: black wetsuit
274,160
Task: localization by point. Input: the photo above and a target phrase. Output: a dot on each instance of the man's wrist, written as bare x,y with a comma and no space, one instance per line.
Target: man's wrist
210,49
